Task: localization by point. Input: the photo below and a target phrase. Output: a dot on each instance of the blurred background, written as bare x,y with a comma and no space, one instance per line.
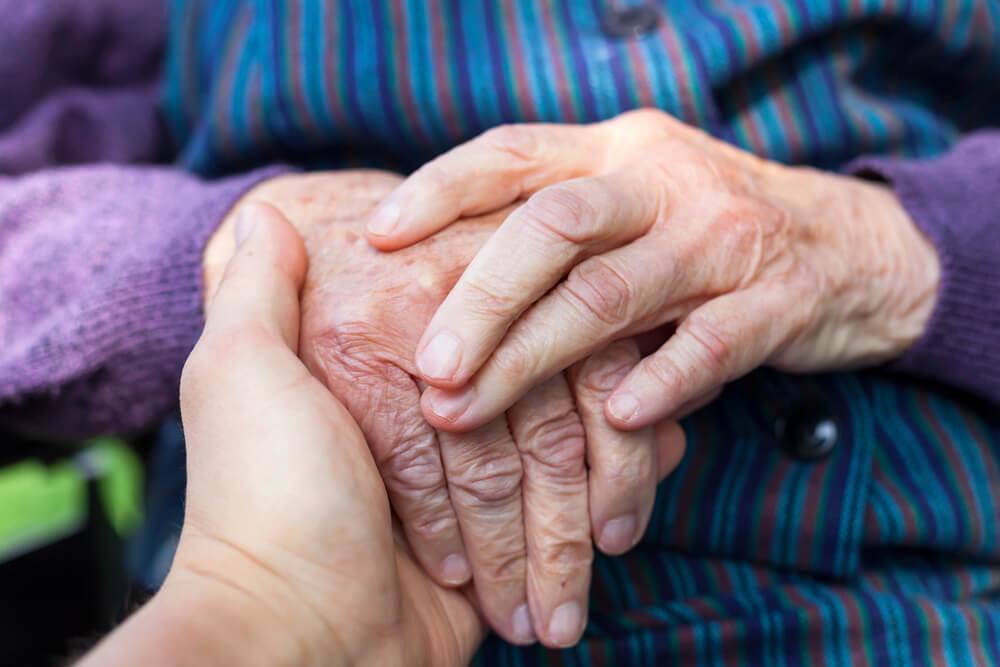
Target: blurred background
84,537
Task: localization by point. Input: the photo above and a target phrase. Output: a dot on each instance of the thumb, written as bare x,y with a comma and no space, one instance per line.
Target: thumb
261,284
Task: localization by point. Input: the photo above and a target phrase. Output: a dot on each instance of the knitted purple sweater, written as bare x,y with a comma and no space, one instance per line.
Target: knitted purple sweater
100,265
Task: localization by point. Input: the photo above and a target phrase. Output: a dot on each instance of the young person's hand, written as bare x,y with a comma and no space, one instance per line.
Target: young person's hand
287,554
513,504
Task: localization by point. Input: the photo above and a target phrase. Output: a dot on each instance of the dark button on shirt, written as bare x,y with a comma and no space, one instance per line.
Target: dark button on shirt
808,432
630,22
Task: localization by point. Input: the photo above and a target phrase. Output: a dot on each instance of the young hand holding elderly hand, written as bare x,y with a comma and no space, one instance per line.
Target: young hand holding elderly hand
287,554
514,497
631,224
642,221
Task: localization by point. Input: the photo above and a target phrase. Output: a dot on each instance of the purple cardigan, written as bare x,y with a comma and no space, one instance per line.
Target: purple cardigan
100,265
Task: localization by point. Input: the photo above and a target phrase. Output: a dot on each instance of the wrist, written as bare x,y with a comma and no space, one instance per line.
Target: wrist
878,278
237,624
912,272
272,618
198,621
277,619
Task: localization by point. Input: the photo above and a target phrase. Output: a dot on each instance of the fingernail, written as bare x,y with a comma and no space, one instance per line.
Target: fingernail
455,569
522,625
566,624
449,405
618,534
440,357
623,406
245,222
384,220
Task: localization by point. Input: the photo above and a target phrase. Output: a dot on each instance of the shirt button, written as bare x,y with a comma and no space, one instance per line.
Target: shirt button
630,22
807,433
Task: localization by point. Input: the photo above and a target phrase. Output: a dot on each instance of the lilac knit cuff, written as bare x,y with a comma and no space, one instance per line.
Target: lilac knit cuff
954,200
97,338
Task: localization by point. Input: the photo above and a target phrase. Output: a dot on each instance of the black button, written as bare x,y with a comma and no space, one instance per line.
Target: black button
631,22
808,432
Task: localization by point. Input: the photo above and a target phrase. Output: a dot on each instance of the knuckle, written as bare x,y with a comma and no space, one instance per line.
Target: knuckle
517,141
712,348
652,120
412,466
497,299
506,564
560,213
601,291
600,374
432,526
487,481
751,231
684,164
663,370
566,557
623,472
514,359
556,442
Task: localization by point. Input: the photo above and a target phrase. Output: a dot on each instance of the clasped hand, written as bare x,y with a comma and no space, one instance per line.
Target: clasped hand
512,504
640,222
544,427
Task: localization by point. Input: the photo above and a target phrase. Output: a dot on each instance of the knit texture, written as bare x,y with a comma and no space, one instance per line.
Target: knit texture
953,199
79,82
752,556
100,290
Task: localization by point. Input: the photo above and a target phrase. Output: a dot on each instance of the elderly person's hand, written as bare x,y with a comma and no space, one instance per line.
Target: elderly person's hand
507,503
287,554
639,222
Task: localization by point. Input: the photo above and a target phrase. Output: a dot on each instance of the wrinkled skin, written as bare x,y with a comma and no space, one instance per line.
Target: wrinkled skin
317,575
642,221
517,496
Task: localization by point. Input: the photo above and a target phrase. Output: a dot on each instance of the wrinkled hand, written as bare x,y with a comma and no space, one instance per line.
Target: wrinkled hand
287,554
642,221
510,499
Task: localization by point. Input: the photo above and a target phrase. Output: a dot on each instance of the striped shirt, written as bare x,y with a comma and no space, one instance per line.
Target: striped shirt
886,551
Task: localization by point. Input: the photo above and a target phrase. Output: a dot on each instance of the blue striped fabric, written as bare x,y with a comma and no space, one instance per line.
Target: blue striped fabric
887,551
394,83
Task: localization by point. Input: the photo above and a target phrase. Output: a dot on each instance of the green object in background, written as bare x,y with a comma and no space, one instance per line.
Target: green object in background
119,481
40,504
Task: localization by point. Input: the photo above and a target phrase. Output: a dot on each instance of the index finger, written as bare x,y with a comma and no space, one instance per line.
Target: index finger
500,166
531,251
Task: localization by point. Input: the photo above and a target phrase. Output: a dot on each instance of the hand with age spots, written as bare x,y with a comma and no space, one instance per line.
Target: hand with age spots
512,504
641,222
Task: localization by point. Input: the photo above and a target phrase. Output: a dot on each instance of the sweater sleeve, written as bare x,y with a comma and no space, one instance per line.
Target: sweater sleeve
100,293
954,200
